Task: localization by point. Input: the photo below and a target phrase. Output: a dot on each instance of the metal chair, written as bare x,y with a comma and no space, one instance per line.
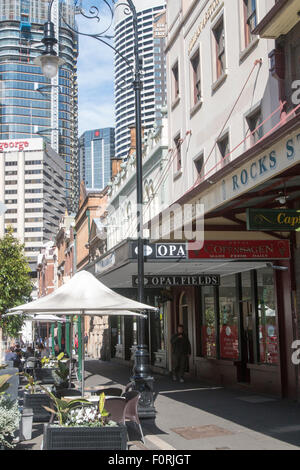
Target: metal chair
131,409
128,387
112,391
116,408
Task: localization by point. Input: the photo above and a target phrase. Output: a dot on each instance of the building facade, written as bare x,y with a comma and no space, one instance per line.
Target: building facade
233,156
31,105
234,133
96,151
151,26
32,188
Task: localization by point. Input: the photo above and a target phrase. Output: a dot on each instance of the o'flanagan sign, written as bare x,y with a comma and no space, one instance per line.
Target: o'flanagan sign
179,280
242,249
281,220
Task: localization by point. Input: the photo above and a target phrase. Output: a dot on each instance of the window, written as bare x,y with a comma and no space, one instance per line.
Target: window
177,142
219,39
175,75
250,20
208,322
198,162
229,339
223,145
196,78
254,121
268,334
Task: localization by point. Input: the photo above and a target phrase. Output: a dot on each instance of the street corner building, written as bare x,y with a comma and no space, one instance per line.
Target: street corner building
228,141
32,188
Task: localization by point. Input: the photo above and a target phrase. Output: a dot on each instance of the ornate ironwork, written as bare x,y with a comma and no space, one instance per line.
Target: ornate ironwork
105,17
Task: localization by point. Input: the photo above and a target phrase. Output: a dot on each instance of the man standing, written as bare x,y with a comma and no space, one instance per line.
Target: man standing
181,348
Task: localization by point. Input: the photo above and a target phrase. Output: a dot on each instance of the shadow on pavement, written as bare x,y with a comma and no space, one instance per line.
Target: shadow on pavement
277,418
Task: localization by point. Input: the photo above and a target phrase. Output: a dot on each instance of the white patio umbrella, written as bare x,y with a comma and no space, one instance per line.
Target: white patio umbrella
83,295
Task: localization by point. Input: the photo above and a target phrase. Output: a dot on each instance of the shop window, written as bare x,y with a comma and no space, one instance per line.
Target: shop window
268,334
208,323
229,342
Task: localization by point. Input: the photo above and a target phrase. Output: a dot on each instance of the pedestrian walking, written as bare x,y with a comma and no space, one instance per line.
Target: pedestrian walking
86,340
76,342
181,349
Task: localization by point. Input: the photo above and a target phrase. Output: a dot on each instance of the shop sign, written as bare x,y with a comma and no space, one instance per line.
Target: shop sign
162,250
105,263
271,219
160,25
13,145
179,280
241,249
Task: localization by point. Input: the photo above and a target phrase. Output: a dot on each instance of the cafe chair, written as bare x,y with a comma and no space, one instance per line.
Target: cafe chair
116,409
131,409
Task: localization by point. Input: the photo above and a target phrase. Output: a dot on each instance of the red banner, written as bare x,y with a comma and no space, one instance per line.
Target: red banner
241,249
229,342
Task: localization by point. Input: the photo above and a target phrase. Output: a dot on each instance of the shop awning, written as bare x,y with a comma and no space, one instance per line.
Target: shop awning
279,20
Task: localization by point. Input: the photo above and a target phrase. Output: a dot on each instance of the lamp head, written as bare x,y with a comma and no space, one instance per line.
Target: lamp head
49,64
49,61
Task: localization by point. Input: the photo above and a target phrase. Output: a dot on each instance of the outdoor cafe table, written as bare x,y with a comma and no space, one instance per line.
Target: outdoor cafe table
92,398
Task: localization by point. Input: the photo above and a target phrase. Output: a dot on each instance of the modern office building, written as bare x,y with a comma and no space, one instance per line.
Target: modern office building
31,105
151,27
96,150
32,188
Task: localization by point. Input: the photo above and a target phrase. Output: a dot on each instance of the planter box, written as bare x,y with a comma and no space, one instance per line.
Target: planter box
46,376
84,438
36,402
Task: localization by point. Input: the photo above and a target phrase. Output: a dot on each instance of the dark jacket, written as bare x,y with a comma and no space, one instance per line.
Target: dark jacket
181,346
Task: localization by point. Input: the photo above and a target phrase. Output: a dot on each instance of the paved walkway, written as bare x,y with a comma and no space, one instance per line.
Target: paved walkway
195,415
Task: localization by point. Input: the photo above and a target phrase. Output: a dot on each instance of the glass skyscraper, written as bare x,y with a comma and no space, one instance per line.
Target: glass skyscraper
151,49
30,104
96,150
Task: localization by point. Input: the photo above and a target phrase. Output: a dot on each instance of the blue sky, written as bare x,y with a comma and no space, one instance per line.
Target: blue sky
95,80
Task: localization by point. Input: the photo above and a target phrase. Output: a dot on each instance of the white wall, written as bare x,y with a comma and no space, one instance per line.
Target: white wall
217,104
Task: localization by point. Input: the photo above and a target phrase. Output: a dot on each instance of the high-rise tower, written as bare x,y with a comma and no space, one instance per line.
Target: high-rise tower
151,47
96,150
31,105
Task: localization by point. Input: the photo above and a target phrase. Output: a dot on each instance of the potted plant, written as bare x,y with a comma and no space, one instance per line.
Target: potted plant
9,416
83,426
53,371
36,399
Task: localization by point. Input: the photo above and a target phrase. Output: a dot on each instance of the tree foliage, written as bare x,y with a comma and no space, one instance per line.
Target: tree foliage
15,282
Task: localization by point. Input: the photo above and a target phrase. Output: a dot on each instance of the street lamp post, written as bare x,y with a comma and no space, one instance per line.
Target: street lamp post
49,62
